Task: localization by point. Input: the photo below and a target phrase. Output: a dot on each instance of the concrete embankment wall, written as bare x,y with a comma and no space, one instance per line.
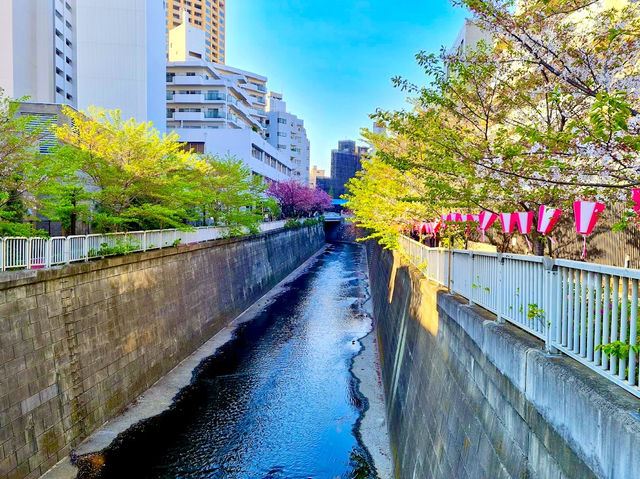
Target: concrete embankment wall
470,398
78,344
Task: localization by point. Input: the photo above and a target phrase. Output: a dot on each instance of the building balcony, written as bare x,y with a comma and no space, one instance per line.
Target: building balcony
188,116
214,97
217,115
188,98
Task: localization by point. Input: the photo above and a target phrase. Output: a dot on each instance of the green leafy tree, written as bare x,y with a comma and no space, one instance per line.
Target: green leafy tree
543,113
24,172
228,194
134,177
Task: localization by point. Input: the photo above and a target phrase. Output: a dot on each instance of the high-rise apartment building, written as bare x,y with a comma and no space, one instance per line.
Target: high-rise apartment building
83,53
205,15
286,132
218,109
38,53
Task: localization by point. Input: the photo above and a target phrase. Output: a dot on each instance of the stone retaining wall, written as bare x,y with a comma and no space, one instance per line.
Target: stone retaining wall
79,343
470,398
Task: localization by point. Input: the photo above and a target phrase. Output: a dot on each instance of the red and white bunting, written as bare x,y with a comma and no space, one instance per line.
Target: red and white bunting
486,220
547,219
508,221
635,196
587,214
524,220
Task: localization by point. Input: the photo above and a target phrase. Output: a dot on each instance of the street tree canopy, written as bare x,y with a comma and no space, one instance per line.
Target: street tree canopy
544,111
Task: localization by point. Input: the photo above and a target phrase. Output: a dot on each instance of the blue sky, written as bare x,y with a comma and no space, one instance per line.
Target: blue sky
334,59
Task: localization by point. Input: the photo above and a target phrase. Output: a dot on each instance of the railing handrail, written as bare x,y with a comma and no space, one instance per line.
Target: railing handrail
19,252
574,307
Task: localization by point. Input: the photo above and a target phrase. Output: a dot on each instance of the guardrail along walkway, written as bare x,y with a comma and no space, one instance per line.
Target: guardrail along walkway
574,307
36,253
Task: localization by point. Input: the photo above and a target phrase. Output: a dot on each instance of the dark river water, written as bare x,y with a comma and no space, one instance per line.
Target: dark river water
278,401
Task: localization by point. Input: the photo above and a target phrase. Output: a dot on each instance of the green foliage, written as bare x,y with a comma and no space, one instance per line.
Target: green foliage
534,312
120,248
24,172
618,349
299,223
533,116
293,223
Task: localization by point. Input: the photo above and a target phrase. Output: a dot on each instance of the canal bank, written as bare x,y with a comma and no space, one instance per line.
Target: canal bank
469,397
270,386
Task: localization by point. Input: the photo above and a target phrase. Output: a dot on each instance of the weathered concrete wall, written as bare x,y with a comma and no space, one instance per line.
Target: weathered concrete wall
470,398
78,344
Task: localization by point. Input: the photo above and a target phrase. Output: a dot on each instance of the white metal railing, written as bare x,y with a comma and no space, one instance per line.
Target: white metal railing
574,307
36,253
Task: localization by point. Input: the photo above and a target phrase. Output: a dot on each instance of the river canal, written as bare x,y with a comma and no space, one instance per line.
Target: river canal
278,401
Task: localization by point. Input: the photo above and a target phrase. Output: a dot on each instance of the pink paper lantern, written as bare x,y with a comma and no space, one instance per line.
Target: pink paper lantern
524,220
508,222
587,214
547,219
486,220
635,196
458,217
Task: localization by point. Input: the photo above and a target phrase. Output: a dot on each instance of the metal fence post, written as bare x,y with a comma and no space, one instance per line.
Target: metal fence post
550,304
67,250
500,295
472,273
47,254
449,275
28,254
3,253
144,241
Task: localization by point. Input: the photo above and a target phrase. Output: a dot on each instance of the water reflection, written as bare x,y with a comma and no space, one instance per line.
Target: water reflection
278,401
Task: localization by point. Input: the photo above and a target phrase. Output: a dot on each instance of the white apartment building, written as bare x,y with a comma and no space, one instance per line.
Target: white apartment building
89,52
219,109
287,133
38,50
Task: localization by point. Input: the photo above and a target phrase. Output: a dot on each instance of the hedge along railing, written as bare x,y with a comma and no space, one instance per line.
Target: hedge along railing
37,253
585,310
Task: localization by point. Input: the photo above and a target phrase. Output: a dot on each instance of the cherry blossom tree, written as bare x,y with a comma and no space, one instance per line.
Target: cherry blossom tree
296,199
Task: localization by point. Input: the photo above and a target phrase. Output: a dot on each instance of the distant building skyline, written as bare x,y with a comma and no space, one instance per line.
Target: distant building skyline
346,161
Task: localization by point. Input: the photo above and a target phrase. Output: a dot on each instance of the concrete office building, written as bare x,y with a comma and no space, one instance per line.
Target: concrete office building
287,133
84,53
345,163
219,109
205,15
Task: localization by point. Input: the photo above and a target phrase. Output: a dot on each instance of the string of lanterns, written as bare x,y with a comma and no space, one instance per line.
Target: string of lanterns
586,215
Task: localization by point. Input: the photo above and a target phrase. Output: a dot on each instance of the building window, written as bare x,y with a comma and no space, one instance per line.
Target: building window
191,74
59,53
59,34
68,24
282,121
282,134
58,15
